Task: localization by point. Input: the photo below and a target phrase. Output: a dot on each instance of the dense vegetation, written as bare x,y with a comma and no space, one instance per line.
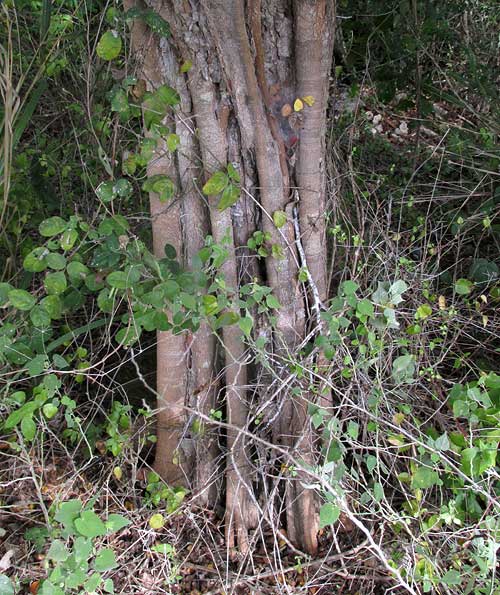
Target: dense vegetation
407,472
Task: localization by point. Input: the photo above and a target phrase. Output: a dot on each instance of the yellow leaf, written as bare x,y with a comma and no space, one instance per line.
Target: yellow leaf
298,105
442,302
309,99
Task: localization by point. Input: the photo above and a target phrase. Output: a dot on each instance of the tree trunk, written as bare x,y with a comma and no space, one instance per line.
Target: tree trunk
250,63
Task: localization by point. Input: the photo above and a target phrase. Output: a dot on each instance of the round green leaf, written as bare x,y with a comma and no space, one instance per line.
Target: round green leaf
279,218
49,410
34,262
55,261
21,299
55,283
52,226
109,46
40,317
68,239
28,428
105,560
463,286
216,183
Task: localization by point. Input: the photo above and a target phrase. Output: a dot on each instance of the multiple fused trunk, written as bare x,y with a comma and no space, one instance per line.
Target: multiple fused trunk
251,62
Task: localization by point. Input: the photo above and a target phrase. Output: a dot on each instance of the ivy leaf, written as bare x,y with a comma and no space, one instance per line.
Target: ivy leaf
109,46
229,197
215,184
328,514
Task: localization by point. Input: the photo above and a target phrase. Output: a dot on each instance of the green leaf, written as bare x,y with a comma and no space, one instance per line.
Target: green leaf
424,478
68,239
328,514
28,428
5,288
230,196
68,512
157,521
55,283
108,586
48,588
119,102
423,312
77,270
105,560
349,287
166,549
52,226
40,317
272,302
21,299
365,308
173,141
6,586
109,46
16,416
37,365
90,525
75,579
246,323
105,191
82,549
279,218
93,582
226,319
49,410
53,305
232,172
55,261
452,578
215,184
161,185
35,262
403,368
116,522
123,188
118,279
463,286
186,66
58,551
